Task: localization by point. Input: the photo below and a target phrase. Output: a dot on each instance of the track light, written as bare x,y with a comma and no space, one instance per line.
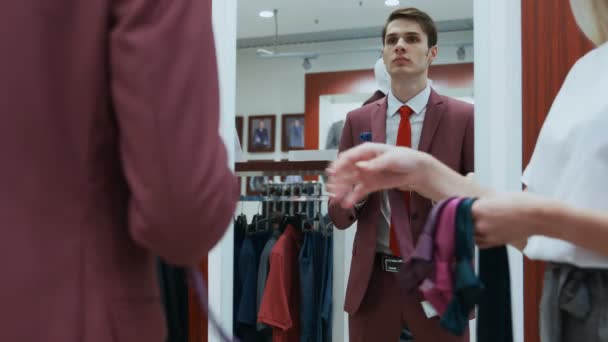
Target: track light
461,53
306,64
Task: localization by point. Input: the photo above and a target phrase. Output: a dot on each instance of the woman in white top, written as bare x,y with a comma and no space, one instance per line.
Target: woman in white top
561,219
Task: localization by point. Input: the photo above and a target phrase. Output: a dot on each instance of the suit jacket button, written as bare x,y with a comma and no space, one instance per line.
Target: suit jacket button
414,216
351,217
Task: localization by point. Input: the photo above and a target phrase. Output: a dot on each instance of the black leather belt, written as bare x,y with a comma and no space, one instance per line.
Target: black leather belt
389,263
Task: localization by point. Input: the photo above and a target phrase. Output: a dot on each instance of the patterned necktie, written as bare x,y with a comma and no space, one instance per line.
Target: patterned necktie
404,138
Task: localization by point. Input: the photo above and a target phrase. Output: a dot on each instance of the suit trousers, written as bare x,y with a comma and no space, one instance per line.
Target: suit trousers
386,309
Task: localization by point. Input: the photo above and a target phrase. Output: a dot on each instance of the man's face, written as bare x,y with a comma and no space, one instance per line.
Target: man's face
406,51
261,124
296,123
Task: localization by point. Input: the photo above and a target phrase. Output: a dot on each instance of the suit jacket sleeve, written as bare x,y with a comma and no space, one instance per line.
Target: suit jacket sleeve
343,218
164,89
468,148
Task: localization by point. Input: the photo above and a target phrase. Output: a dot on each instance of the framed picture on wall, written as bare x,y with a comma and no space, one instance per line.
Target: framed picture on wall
239,128
261,133
292,128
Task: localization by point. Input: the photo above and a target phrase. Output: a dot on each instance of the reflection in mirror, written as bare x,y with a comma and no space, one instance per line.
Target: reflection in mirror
413,87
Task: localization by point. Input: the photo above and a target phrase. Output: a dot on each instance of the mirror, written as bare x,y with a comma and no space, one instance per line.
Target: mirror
317,61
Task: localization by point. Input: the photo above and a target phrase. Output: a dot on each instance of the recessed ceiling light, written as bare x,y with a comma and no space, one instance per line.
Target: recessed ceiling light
392,3
269,14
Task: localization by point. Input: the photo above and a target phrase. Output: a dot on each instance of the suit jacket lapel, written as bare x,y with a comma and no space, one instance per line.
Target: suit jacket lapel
379,121
434,112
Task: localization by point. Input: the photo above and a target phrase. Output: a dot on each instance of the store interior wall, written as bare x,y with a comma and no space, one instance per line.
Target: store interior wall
220,258
277,86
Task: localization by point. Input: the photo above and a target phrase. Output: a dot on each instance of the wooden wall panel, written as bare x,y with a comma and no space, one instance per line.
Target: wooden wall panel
551,43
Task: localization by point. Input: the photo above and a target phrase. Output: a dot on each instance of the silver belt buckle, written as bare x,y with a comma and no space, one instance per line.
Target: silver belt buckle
392,265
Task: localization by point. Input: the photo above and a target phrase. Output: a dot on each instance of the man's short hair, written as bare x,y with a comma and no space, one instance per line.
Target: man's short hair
424,20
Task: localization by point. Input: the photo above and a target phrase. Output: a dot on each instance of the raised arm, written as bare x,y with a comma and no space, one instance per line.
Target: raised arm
343,217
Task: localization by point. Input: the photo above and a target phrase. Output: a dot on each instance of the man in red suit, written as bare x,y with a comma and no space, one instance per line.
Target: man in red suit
413,115
110,156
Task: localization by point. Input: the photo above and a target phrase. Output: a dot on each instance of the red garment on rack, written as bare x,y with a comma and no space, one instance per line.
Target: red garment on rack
280,307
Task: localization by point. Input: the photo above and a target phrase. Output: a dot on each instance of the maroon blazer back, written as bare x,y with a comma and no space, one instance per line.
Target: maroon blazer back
447,134
110,154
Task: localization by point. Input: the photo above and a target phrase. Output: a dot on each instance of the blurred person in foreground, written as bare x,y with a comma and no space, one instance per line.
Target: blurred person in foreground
111,156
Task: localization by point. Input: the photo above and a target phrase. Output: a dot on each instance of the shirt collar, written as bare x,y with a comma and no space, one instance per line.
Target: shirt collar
416,103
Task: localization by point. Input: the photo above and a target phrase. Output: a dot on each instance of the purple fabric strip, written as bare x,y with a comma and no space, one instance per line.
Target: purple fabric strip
440,294
198,282
420,266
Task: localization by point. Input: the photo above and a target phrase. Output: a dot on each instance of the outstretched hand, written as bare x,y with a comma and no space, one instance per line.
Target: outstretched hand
372,167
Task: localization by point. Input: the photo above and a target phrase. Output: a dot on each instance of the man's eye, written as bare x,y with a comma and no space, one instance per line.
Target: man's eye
392,40
413,40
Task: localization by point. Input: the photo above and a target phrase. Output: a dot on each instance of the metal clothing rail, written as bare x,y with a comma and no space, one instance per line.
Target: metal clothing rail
284,198
281,168
278,195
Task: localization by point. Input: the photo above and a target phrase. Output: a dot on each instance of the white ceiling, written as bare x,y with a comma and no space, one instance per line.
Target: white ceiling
298,16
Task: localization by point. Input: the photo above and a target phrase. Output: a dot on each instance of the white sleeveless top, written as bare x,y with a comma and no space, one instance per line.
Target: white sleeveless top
570,161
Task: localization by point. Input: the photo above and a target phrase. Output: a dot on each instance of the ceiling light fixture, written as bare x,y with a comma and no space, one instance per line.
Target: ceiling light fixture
391,3
306,64
461,53
266,14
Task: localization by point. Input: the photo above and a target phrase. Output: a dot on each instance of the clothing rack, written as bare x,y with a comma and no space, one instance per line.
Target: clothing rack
289,192
281,168
274,193
289,217
285,197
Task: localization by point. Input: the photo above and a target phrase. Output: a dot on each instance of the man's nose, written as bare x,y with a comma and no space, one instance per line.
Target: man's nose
401,46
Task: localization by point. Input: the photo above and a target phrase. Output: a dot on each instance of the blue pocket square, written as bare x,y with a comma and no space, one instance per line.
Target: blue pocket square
365,136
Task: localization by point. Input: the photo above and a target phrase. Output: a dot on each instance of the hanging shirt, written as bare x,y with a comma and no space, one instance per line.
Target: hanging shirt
570,161
248,268
240,225
248,274
327,290
309,311
263,270
280,306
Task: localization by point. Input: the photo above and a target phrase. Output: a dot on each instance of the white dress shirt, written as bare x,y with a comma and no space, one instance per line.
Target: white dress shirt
418,104
570,161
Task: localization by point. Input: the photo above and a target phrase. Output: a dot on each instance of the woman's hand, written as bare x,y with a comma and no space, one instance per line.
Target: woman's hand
508,218
371,167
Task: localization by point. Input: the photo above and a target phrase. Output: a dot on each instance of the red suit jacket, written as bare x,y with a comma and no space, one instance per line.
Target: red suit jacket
447,134
110,155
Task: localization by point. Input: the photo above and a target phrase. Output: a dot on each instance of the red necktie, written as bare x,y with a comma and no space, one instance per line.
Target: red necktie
404,138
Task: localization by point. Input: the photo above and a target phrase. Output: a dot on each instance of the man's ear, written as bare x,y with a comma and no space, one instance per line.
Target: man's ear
432,53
